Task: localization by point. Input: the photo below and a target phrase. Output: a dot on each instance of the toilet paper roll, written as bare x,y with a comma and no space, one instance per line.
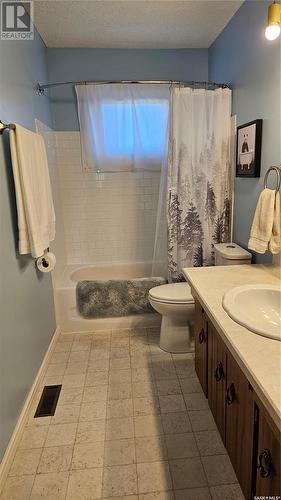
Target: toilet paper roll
46,263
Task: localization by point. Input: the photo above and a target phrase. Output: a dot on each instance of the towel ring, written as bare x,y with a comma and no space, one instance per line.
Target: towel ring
278,177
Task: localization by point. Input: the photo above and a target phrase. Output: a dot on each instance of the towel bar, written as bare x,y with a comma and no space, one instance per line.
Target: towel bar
277,171
4,126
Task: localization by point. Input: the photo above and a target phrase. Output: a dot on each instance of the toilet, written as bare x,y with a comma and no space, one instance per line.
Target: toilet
176,304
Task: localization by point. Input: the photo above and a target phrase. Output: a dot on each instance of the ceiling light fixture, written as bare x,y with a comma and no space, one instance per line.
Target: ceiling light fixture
272,30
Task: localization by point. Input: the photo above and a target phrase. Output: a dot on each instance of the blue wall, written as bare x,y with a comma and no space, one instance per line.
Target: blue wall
242,56
26,299
116,64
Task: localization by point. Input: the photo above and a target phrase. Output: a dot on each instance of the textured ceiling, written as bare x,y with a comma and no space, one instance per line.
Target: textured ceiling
132,23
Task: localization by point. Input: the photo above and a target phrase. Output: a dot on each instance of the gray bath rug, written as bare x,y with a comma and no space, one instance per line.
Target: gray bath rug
113,298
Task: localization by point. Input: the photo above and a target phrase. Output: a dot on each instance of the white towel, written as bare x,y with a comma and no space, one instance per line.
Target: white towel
265,231
36,216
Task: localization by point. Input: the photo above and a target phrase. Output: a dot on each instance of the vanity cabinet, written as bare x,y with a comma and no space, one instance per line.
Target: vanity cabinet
251,439
267,455
201,343
216,378
239,424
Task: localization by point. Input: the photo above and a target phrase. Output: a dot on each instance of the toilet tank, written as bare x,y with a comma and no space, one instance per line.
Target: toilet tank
230,254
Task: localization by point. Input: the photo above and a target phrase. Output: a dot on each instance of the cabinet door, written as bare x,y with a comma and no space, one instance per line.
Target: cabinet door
239,424
216,378
267,460
201,345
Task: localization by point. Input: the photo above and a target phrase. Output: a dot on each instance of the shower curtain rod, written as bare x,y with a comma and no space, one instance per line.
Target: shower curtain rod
41,88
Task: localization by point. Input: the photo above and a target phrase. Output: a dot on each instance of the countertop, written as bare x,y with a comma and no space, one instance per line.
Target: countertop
258,357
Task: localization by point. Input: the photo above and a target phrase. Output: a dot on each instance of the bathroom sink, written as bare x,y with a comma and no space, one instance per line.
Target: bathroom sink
256,307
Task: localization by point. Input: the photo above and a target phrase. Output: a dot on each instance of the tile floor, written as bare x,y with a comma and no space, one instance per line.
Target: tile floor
131,423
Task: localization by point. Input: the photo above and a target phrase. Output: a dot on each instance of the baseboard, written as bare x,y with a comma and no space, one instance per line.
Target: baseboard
14,441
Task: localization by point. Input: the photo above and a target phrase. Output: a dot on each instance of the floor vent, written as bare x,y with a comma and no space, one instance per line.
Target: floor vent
48,401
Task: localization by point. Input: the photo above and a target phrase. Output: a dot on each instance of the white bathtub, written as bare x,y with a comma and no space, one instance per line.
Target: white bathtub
67,315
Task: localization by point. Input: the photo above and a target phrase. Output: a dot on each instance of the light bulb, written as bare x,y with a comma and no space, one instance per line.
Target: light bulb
272,31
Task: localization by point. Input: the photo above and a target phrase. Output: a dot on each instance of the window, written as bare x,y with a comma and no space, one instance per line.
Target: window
120,121
123,127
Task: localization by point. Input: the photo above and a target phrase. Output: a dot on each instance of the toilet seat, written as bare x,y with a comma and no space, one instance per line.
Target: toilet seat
173,293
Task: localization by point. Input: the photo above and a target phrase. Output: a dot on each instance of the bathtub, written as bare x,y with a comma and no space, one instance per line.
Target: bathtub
67,316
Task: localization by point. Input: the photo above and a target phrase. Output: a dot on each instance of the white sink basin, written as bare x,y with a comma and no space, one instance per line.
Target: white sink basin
257,307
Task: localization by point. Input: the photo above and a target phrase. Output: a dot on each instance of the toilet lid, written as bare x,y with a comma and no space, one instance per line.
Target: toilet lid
173,292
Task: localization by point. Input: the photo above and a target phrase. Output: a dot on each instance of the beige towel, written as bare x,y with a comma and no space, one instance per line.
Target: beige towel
36,216
265,232
275,239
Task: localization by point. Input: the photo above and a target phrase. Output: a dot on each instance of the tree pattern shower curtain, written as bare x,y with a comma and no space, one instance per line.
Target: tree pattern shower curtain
199,177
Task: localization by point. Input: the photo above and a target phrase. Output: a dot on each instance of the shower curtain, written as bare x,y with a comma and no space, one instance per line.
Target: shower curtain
199,177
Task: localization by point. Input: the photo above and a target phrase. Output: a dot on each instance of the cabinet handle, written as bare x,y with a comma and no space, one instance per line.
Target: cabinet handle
219,372
230,394
264,464
202,336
